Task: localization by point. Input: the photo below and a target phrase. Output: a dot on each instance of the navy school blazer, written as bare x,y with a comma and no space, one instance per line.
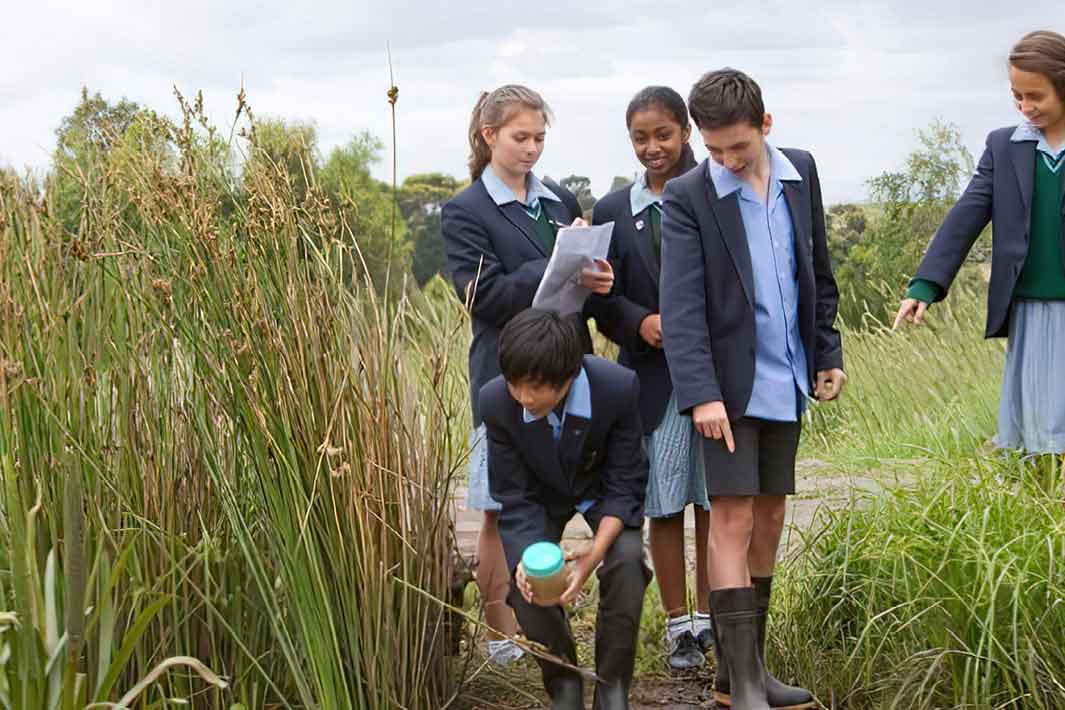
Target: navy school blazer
496,248
633,298
539,483
999,192
707,287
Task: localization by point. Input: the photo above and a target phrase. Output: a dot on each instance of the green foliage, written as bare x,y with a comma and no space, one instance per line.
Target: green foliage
255,450
366,218
290,147
420,199
619,182
945,592
84,142
581,187
874,248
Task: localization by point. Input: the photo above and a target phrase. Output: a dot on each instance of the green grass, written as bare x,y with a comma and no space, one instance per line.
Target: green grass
217,443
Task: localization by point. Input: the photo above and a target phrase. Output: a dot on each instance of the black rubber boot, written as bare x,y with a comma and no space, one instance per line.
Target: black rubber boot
611,696
736,626
567,693
779,695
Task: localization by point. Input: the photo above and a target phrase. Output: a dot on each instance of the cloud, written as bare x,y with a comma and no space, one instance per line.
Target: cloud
851,81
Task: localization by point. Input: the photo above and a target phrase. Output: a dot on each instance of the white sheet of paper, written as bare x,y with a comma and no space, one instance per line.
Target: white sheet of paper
576,248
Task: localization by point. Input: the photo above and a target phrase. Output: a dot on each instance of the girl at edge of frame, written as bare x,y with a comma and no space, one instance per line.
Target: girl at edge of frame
659,129
498,235
1026,300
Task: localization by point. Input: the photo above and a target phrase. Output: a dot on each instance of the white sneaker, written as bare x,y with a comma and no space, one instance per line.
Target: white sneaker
503,652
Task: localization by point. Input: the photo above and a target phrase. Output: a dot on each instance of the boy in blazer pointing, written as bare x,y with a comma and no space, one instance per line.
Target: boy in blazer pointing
564,436
748,305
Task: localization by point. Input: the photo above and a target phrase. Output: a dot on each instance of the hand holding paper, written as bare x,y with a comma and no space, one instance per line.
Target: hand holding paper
577,268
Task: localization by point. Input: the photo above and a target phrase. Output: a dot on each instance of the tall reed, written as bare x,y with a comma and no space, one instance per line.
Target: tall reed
259,452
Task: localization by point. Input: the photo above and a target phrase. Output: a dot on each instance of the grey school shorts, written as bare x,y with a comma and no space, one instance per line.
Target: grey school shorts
763,463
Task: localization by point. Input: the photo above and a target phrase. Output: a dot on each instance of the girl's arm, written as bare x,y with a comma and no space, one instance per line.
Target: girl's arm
963,224
492,294
616,316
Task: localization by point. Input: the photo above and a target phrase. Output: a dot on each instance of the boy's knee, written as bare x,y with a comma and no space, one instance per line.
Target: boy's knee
733,515
625,558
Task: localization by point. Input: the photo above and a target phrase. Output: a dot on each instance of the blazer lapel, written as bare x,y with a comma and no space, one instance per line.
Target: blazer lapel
571,444
1022,155
556,212
644,244
542,447
517,216
730,223
798,205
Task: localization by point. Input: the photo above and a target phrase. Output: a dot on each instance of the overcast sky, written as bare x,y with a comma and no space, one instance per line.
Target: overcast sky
850,81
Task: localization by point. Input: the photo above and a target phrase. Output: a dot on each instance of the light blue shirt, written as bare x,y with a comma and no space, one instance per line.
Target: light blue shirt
780,377
641,197
1027,132
579,404
501,194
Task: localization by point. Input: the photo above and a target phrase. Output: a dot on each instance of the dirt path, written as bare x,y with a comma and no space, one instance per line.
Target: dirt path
518,687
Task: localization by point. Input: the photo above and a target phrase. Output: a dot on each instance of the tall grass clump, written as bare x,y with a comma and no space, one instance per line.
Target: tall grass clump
253,452
948,593
915,392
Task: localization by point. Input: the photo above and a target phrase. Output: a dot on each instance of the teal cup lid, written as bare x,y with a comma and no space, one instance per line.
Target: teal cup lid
542,559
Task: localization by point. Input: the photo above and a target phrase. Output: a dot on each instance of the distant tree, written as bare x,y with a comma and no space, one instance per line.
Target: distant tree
84,141
846,224
290,147
581,187
420,200
365,205
619,182
906,207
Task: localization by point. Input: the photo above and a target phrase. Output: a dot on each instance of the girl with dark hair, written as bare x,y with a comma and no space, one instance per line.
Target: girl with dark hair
657,122
498,234
1019,186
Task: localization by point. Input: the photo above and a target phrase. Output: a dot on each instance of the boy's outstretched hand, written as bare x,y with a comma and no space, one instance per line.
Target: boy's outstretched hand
829,384
582,564
527,591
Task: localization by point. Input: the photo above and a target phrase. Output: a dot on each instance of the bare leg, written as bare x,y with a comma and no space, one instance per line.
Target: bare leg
493,579
702,560
731,526
667,555
765,539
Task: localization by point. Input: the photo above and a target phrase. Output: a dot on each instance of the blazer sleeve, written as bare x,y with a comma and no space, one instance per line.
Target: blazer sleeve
828,344
492,294
523,517
624,471
682,298
616,316
963,224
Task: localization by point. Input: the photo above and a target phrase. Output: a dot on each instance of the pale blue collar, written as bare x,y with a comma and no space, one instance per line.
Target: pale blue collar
780,170
578,402
535,190
1027,132
641,197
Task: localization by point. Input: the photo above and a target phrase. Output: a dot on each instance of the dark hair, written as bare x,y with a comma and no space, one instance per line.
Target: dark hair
495,109
1042,52
540,346
673,104
662,96
726,97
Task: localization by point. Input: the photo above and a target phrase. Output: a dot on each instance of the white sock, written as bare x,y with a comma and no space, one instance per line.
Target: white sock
677,626
700,622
